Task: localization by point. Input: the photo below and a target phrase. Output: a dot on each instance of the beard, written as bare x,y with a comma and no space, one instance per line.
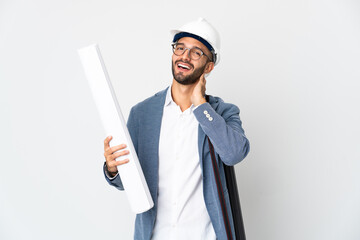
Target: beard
189,79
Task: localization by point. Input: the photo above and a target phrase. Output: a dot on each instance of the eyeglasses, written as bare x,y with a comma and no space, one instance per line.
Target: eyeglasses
195,53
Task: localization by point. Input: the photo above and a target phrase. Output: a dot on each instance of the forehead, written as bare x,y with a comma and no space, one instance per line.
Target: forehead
192,42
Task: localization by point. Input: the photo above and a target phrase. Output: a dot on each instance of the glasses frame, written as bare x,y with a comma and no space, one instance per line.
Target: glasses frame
185,48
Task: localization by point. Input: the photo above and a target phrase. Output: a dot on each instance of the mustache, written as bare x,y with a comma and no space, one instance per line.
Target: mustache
176,62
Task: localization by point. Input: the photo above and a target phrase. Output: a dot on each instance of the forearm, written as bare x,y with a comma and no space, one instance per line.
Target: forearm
227,135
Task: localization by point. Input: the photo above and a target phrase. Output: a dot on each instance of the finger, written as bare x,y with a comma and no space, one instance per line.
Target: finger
111,150
117,163
203,86
202,77
116,148
112,162
122,153
106,142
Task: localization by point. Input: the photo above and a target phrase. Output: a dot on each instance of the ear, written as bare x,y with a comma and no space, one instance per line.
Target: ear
209,67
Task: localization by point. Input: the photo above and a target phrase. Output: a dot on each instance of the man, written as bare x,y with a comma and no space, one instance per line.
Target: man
169,132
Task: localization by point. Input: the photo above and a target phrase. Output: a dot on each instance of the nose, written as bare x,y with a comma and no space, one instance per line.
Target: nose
186,54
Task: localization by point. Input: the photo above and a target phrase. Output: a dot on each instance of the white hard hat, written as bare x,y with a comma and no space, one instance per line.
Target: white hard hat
207,33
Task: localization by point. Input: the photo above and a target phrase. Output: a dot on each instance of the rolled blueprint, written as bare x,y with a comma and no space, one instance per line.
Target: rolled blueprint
131,174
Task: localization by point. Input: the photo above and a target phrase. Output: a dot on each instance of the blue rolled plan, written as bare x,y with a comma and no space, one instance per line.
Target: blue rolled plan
113,121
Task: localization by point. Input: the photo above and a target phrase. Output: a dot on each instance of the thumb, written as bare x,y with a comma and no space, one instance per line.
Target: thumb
202,78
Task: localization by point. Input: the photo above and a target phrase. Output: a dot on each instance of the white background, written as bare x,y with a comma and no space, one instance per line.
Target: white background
292,67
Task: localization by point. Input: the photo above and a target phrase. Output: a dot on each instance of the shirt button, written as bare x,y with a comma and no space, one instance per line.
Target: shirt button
207,115
210,119
205,112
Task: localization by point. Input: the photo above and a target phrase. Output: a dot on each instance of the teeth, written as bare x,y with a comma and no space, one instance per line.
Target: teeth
184,66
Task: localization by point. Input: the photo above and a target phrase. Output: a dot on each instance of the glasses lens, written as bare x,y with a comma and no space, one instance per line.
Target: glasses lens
178,49
195,53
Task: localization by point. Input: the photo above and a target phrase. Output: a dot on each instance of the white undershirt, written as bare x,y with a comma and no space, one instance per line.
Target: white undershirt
181,210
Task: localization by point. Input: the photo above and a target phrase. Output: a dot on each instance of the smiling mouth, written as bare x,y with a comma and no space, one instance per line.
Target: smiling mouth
183,67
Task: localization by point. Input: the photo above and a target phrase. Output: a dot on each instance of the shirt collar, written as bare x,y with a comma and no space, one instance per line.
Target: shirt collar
169,100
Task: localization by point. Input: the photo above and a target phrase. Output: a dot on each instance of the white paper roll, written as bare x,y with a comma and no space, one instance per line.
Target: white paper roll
113,121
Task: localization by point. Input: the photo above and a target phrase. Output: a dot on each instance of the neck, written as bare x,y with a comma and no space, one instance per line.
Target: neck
181,94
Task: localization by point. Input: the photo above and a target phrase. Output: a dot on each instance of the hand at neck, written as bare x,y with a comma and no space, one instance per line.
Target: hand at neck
184,95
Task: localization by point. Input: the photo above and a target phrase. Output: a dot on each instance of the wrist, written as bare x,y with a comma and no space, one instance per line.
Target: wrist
111,173
200,101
